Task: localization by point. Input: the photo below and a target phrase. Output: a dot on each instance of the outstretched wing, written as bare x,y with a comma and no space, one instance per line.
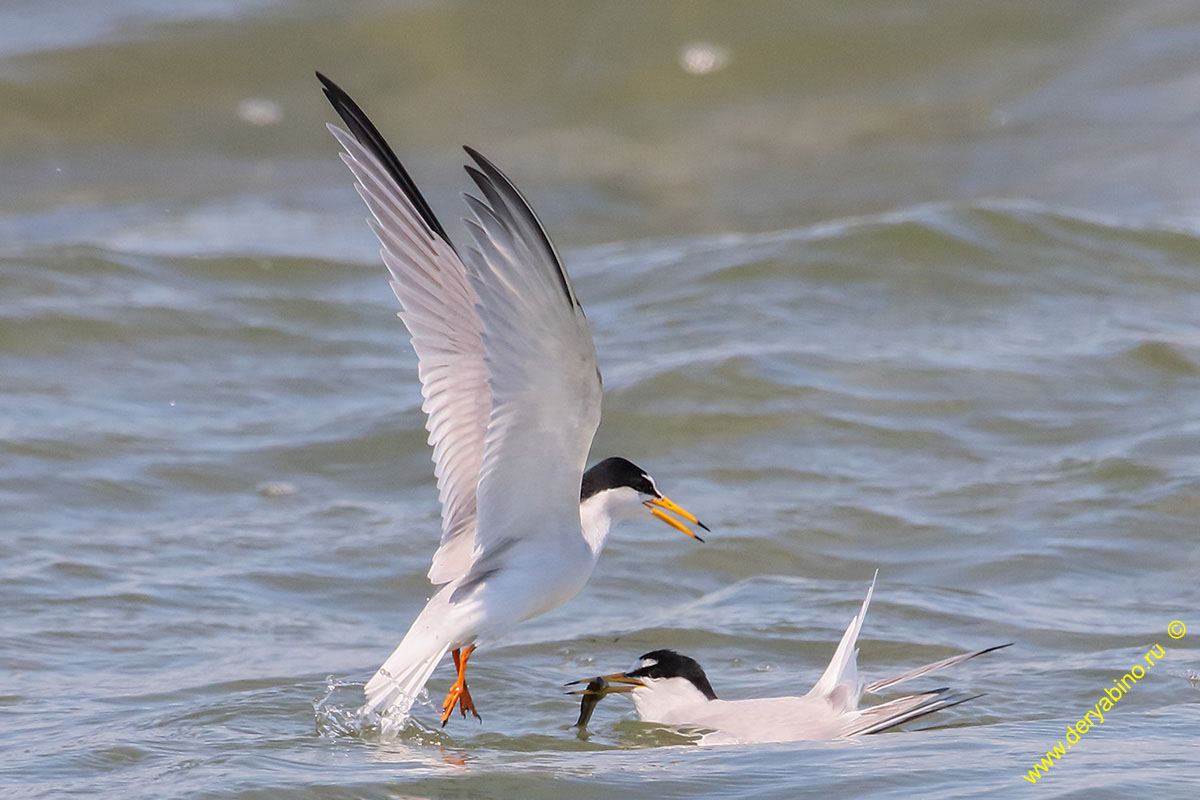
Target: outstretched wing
439,309
542,374
878,686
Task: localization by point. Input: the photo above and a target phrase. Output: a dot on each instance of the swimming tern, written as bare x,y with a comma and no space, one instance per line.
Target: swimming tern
672,689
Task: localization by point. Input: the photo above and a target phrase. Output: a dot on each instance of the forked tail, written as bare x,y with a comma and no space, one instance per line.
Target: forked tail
395,686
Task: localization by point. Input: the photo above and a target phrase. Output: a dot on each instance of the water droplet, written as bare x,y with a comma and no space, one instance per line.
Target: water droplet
260,111
701,58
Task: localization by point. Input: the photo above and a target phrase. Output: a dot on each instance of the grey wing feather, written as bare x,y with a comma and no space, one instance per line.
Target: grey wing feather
505,199
541,370
877,686
885,716
506,360
439,310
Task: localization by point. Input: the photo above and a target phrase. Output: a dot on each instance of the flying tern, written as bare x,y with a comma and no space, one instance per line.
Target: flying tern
512,393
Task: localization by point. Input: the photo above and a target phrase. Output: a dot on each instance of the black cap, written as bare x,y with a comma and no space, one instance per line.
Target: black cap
613,473
669,664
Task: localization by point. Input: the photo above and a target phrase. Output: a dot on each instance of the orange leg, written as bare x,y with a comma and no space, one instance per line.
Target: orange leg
459,694
460,666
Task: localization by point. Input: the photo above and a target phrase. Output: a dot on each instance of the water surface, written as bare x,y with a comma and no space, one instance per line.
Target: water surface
900,285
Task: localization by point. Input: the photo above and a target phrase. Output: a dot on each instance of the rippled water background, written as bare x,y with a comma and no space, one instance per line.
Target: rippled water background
907,285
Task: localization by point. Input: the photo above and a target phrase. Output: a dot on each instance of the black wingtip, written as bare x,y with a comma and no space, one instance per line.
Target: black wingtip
368,136
487,166
335,94
479,179
517,202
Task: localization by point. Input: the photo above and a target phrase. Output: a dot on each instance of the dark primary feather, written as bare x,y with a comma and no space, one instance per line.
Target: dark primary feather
507,203
369,137
877,686
884,717
514,210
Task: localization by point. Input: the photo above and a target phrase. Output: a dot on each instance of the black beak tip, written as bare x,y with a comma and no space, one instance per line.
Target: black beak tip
702,525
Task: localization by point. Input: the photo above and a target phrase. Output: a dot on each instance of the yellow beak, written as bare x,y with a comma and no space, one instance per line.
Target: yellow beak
603,684
656,507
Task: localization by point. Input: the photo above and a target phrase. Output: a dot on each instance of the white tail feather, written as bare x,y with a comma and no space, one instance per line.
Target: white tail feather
395,686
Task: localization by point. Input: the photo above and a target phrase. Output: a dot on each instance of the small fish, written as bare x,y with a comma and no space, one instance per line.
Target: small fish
591,696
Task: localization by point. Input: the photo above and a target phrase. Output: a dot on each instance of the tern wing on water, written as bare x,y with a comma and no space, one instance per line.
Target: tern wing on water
840,686
439,310
839,683
885,716
877,686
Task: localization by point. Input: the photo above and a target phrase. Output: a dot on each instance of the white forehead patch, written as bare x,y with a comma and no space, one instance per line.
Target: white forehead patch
653,485
647,662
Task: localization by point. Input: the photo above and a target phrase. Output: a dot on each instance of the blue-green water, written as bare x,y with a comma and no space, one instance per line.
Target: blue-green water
907,285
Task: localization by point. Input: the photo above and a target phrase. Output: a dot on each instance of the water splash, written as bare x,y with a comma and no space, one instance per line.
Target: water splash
334,720
339,713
